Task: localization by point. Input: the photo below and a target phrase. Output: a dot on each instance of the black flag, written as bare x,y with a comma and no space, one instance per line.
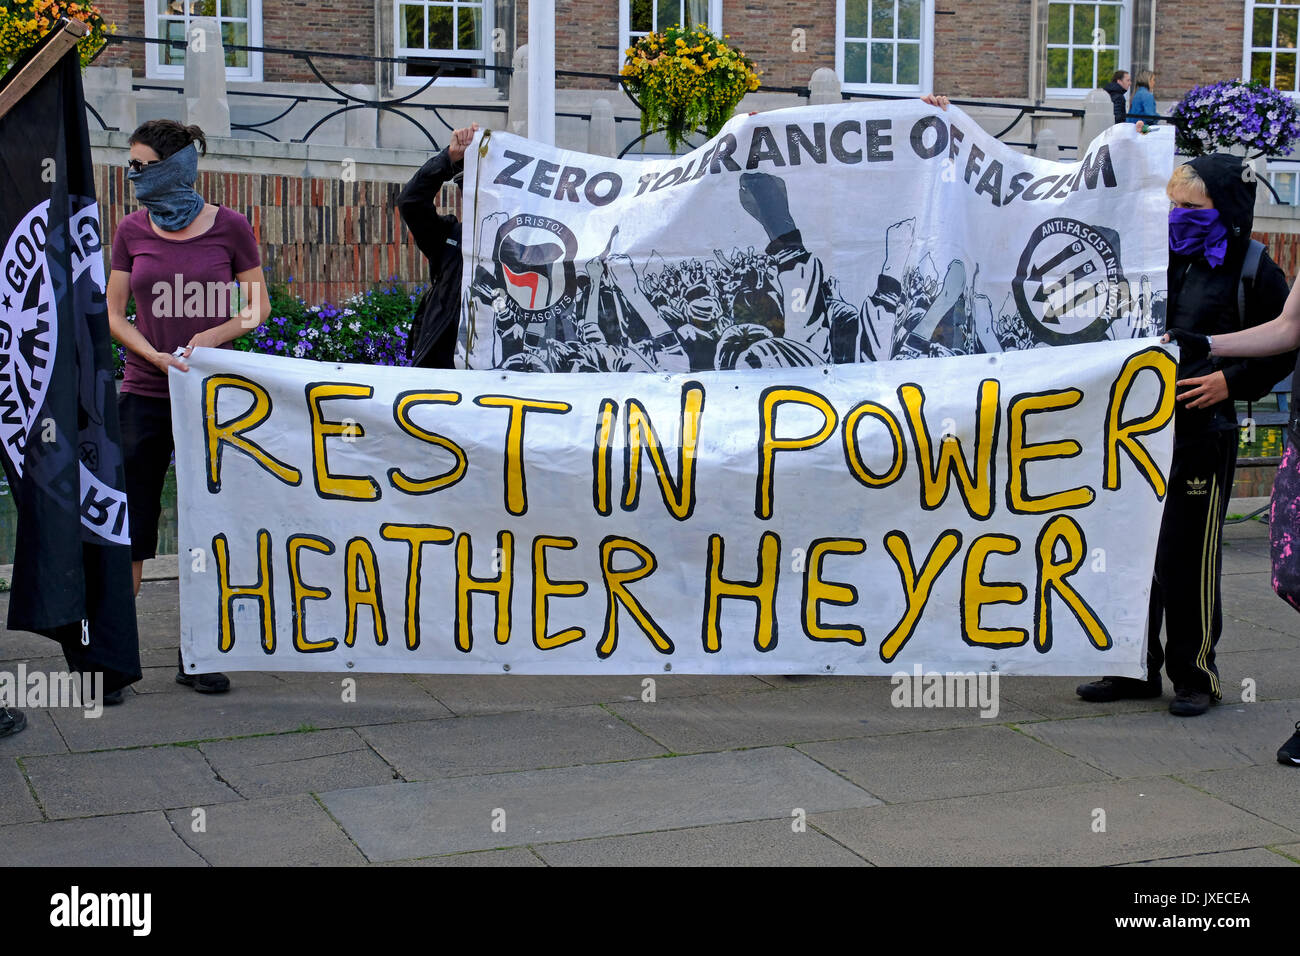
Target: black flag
59,437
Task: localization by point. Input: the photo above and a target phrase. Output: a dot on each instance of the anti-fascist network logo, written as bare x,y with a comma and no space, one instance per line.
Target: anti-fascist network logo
534,261
28,331
1068,284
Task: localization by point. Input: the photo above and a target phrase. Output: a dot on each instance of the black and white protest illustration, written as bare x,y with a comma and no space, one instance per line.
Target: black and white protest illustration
852,233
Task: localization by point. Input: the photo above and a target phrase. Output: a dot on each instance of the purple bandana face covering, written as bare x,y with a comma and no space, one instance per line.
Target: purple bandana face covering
1198,232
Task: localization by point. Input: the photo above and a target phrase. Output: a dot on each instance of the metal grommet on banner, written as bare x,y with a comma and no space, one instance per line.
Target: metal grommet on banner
505,667
668,667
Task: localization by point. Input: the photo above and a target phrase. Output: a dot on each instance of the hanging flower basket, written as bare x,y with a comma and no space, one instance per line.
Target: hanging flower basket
1224,115
24,22
684,79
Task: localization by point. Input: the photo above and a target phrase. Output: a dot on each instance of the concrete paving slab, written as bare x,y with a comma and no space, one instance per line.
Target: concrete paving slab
1055,697
490,743
124,781
1251,599
1145,819
276,831
1133,745
1273,676
1271,790
820,710
297,763
180,714
516,856
17,805
762,843
493,694
133,839
41,736
23,646
1254,857
554,806
1291,850
903,768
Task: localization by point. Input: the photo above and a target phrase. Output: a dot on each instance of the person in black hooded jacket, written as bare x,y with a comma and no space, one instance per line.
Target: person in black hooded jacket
1213,200
432,342
1118,89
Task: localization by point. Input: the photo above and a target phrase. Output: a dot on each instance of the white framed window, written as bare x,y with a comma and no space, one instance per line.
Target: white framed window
1272,31
885,45
241,25
1284,174
446,30
1086,44
636,18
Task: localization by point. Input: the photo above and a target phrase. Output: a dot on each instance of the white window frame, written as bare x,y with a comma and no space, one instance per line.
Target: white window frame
155,69
1122,55
625,23
1248,47
926,83
485,54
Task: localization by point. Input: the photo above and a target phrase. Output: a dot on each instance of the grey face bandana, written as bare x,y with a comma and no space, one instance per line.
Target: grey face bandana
166,189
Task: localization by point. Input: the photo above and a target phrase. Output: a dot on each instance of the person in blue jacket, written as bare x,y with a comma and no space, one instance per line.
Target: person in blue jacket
1143,107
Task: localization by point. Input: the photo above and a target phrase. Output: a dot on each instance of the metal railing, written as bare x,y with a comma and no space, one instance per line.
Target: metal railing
344,100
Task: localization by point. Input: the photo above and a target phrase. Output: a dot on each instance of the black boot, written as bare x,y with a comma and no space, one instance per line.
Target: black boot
203,683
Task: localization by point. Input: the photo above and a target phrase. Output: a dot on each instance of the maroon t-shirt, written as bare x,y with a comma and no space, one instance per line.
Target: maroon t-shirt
181,286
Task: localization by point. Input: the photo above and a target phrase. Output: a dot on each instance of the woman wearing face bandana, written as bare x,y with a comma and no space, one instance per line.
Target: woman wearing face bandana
163,255
1212,210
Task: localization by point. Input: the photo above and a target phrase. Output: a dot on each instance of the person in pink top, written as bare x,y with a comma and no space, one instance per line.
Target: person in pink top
196,275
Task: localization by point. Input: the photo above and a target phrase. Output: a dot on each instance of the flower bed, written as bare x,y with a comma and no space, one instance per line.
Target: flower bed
369,328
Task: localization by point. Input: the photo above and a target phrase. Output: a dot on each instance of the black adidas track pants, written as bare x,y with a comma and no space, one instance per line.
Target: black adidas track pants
1185,592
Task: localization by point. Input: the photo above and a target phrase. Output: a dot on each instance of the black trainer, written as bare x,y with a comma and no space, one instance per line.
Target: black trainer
1190,703
1290,752
11,722
1119,688
203,683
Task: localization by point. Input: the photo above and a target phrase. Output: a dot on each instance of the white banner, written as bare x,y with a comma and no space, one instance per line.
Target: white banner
994,512
847,233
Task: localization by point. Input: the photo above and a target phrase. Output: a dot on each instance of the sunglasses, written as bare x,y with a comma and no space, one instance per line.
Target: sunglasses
136,165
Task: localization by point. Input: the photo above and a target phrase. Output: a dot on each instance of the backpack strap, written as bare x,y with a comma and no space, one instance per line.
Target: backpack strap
1249,269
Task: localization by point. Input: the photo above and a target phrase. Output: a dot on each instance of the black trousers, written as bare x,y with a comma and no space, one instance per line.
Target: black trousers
1185,592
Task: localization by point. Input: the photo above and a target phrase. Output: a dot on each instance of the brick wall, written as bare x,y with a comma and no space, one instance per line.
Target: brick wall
1197,42
981,48
765,30
333,238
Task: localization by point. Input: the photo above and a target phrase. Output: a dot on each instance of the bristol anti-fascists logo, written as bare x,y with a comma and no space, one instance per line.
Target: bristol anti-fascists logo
1068,283
28,332
534,264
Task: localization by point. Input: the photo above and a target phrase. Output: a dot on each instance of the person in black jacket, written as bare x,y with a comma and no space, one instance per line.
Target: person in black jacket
1117,88
432,342
1213,199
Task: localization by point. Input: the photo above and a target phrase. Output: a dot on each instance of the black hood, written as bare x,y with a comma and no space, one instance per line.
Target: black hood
1232,190
1112,88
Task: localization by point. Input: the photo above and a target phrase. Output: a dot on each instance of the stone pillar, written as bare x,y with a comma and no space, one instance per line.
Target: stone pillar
1098,116
108,90
361,127
1143,43
601,140
205,79
1048,146
517,117
824,88
1037,51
